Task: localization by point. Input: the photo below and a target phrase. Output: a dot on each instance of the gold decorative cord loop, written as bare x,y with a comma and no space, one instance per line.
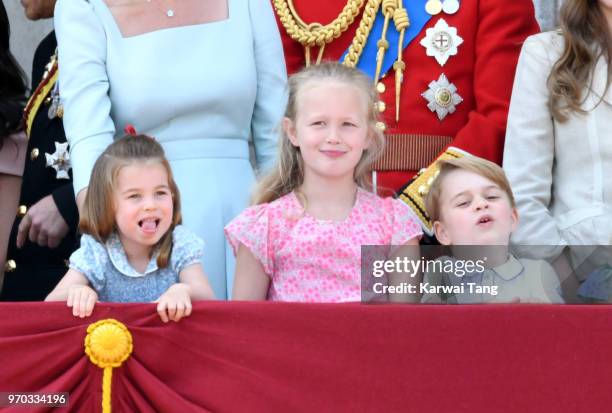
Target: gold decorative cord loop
315,34
401,20
108,344
363,31
388,7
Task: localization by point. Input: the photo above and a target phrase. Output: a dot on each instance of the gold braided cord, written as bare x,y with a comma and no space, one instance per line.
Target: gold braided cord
388,7
401,20
107,379
363,31
315,34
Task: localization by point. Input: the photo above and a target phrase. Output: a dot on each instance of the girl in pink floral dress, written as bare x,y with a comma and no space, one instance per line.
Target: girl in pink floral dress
302,239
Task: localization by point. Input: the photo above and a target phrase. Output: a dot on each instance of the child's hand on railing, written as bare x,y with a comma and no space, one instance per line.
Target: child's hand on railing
175,303
82,299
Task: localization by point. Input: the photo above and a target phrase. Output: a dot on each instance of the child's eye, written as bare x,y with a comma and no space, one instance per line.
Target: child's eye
134,196
351,124
161,193
493,197
318,123
463,204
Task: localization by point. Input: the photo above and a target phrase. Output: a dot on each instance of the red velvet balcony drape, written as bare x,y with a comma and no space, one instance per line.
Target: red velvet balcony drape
273,357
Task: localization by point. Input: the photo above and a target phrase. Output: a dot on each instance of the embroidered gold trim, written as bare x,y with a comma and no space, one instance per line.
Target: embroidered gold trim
414,193
42,90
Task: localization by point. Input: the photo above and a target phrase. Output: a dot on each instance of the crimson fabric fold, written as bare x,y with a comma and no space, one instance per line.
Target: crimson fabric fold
282,357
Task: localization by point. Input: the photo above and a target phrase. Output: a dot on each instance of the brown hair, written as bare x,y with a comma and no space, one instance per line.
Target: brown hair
98,215
583,26
288,173
13,88
480,166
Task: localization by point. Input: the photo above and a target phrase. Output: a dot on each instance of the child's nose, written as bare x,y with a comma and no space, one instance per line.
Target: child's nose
481,203
149,204
333,136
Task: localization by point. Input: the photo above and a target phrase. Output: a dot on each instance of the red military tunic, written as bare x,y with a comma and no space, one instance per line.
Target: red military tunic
482,70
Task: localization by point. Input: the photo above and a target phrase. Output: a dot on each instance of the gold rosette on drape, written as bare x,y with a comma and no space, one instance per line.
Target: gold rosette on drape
108,344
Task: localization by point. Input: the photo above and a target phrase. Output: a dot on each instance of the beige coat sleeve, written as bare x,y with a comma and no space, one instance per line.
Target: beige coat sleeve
530,149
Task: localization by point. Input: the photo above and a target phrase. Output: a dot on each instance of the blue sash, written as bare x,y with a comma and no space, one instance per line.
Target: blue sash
418,19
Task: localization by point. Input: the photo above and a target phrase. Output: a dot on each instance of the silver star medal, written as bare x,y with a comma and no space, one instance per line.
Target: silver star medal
441,41
442,97
59,160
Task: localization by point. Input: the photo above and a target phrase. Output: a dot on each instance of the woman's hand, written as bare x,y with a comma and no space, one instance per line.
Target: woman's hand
175,303
82,299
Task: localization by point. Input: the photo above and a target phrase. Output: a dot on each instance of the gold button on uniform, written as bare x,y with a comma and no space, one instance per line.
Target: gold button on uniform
34,153
381,126
380,87
10,266
381,106
22,210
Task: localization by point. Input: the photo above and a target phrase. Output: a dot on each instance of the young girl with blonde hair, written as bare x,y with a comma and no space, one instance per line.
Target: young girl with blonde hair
133,248
302,239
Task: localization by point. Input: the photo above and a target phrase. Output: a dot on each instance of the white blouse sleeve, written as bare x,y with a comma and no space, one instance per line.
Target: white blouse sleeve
83,84
529,151
271,81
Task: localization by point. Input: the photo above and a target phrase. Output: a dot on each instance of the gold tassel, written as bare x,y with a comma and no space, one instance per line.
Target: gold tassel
388,7
401,20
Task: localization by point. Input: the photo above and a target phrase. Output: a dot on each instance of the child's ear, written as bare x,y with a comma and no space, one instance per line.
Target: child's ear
441,233
515,218
289,129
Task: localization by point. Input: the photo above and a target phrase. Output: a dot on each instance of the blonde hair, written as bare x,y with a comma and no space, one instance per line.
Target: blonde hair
479,166
98,215
288,173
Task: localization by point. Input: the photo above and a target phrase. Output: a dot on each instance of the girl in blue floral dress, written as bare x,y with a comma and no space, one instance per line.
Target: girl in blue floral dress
133,248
